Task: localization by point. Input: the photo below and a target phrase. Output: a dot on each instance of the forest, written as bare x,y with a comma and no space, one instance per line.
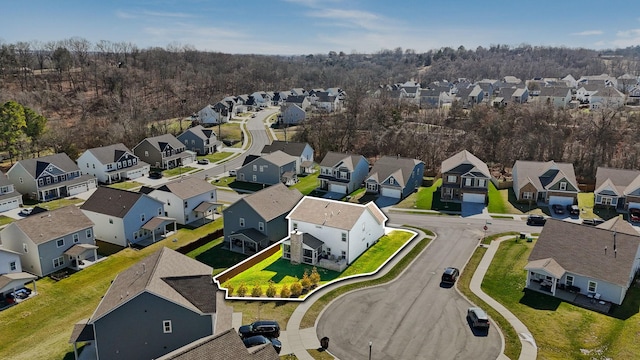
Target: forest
94,94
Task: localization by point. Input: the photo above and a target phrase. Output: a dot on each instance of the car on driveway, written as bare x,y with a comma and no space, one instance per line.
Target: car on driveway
155,175
268,328
536,220
450,275
634,215
259,340
478,317
233,172
557,209
592,222
203,161
573,210
26,211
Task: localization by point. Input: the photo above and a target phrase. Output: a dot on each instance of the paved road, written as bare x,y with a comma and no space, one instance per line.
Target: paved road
414,317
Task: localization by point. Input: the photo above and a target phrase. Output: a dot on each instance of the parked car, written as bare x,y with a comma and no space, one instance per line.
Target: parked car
573,210
592,222
26,211
634,215
203,161
536,220
155,175
557,209
478,317
450,275
253,115
268,328
233,172
259,340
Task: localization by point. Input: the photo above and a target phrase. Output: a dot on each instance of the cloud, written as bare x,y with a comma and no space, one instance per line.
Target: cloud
588,33
125,15
627,38
168,14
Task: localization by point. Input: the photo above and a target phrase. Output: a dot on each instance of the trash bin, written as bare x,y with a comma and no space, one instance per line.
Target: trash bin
324,342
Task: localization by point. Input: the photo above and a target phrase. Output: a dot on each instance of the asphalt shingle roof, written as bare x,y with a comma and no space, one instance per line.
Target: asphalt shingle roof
273,201
187,187
110,201
54,224
332,213
291,148
398,167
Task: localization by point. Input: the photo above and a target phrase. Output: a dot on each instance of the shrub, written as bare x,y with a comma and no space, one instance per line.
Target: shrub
256,291
296,289
230,290
271,290
305,282
314,277
285,292
242,290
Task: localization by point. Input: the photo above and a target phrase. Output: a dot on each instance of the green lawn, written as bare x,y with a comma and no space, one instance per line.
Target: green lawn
214,255
55,204
4,220
497,204
307,183
561,330
218,156
423,199
177,171
586,203
126,185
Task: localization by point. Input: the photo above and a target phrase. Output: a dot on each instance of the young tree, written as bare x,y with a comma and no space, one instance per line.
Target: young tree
305,282
314,277
35,127
296,289
12,124
256,291
242,290
285,292
271,290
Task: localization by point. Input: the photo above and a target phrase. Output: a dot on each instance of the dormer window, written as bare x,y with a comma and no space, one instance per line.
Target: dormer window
563,185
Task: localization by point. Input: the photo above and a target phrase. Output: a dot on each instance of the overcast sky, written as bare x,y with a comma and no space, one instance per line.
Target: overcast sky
292,27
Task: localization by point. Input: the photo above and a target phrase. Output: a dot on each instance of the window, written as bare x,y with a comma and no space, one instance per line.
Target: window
255,178
451,178
261,168
76,238
468,182
261,226
569,280
527,195
25,248
255,167
344,236
146,153
392,181
142,217
60,242
241,222
57,262
12,266
166,326
88,233
159,211
295,225
563,185
110,221
186,204
344,254
482,183
593,286
212,195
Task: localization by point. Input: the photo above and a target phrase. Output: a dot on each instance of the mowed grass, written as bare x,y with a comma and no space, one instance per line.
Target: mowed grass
177,171
55,204
586,202
307,183
562,330
423,199
40,327
218,156
497,203
126,185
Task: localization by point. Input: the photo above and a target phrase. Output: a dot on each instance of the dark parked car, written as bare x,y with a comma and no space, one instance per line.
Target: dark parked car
478,317
268,328
573,210
450,275
557,209
634,215
259,340
155,175
536,220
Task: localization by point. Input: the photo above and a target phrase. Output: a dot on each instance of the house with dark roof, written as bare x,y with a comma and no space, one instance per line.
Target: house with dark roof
556,95
342,173
571,261
124,217
52,240
224,346
291,114
619,188
256,221
188,199
49,177
112,163
164,152
394,176
162,303
302,151
330,233
200,140
9,197
464,178
545,182
273,168
470,96
328,103
215,114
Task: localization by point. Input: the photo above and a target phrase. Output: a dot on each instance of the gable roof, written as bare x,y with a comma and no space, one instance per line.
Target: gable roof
619,179
110,153
112,202
618,224
54,224
464,157
542,174
332,213
36,166
165,273
4,180
160,142
187,187
580,249
201,132
273,201
555,91
332,159
291,148
398,167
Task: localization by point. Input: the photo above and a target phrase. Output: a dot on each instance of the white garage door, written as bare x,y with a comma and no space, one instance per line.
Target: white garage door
560,200
474,198
389,192
634,205
341,189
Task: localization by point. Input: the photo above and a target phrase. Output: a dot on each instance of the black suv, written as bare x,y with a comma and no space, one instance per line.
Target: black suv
268,328
450,275
259,340
536,220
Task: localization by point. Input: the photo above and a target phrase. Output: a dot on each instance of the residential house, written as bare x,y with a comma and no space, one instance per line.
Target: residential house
618,188
626,82
464,178
291,114
188,199
224,346
52,240
280,97
164,152
162,303
557,96
435,97
49,177
328,103
200,140
470,96
124,217
634,95
9,197
607,97
547,182
394,176
511,80
585,91
571,258
334,91
603,79
488,88
302,151
215,114
331,234
112,163
342,173
269,169
298,92
258,220
12,277
514,95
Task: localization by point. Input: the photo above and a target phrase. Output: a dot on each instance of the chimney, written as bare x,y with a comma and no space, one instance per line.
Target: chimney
296,247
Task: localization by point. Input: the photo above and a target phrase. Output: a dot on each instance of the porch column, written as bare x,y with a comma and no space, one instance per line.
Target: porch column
175,226
95,254
35,290
553,285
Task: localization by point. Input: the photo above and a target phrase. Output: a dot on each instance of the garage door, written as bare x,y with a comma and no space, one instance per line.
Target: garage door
389,192
560,200
634,205
475,198
342,189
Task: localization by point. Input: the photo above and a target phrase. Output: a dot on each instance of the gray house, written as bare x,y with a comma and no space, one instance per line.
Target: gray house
291,114
49,177
9,197
200,140
163,302
572,261
395,177
557,96
257,220
342,173
464,178
302,151
270,169
124,217
164,151
112,163
52,240
614,187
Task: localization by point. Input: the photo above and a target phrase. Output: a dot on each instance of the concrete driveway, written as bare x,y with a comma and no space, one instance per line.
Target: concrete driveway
471,208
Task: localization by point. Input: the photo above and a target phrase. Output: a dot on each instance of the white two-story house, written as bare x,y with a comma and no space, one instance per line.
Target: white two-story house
113,163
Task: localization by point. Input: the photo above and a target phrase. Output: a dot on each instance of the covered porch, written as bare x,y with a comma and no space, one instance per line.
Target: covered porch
12,287
83,334
207,210
82,256
248,241
158,228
